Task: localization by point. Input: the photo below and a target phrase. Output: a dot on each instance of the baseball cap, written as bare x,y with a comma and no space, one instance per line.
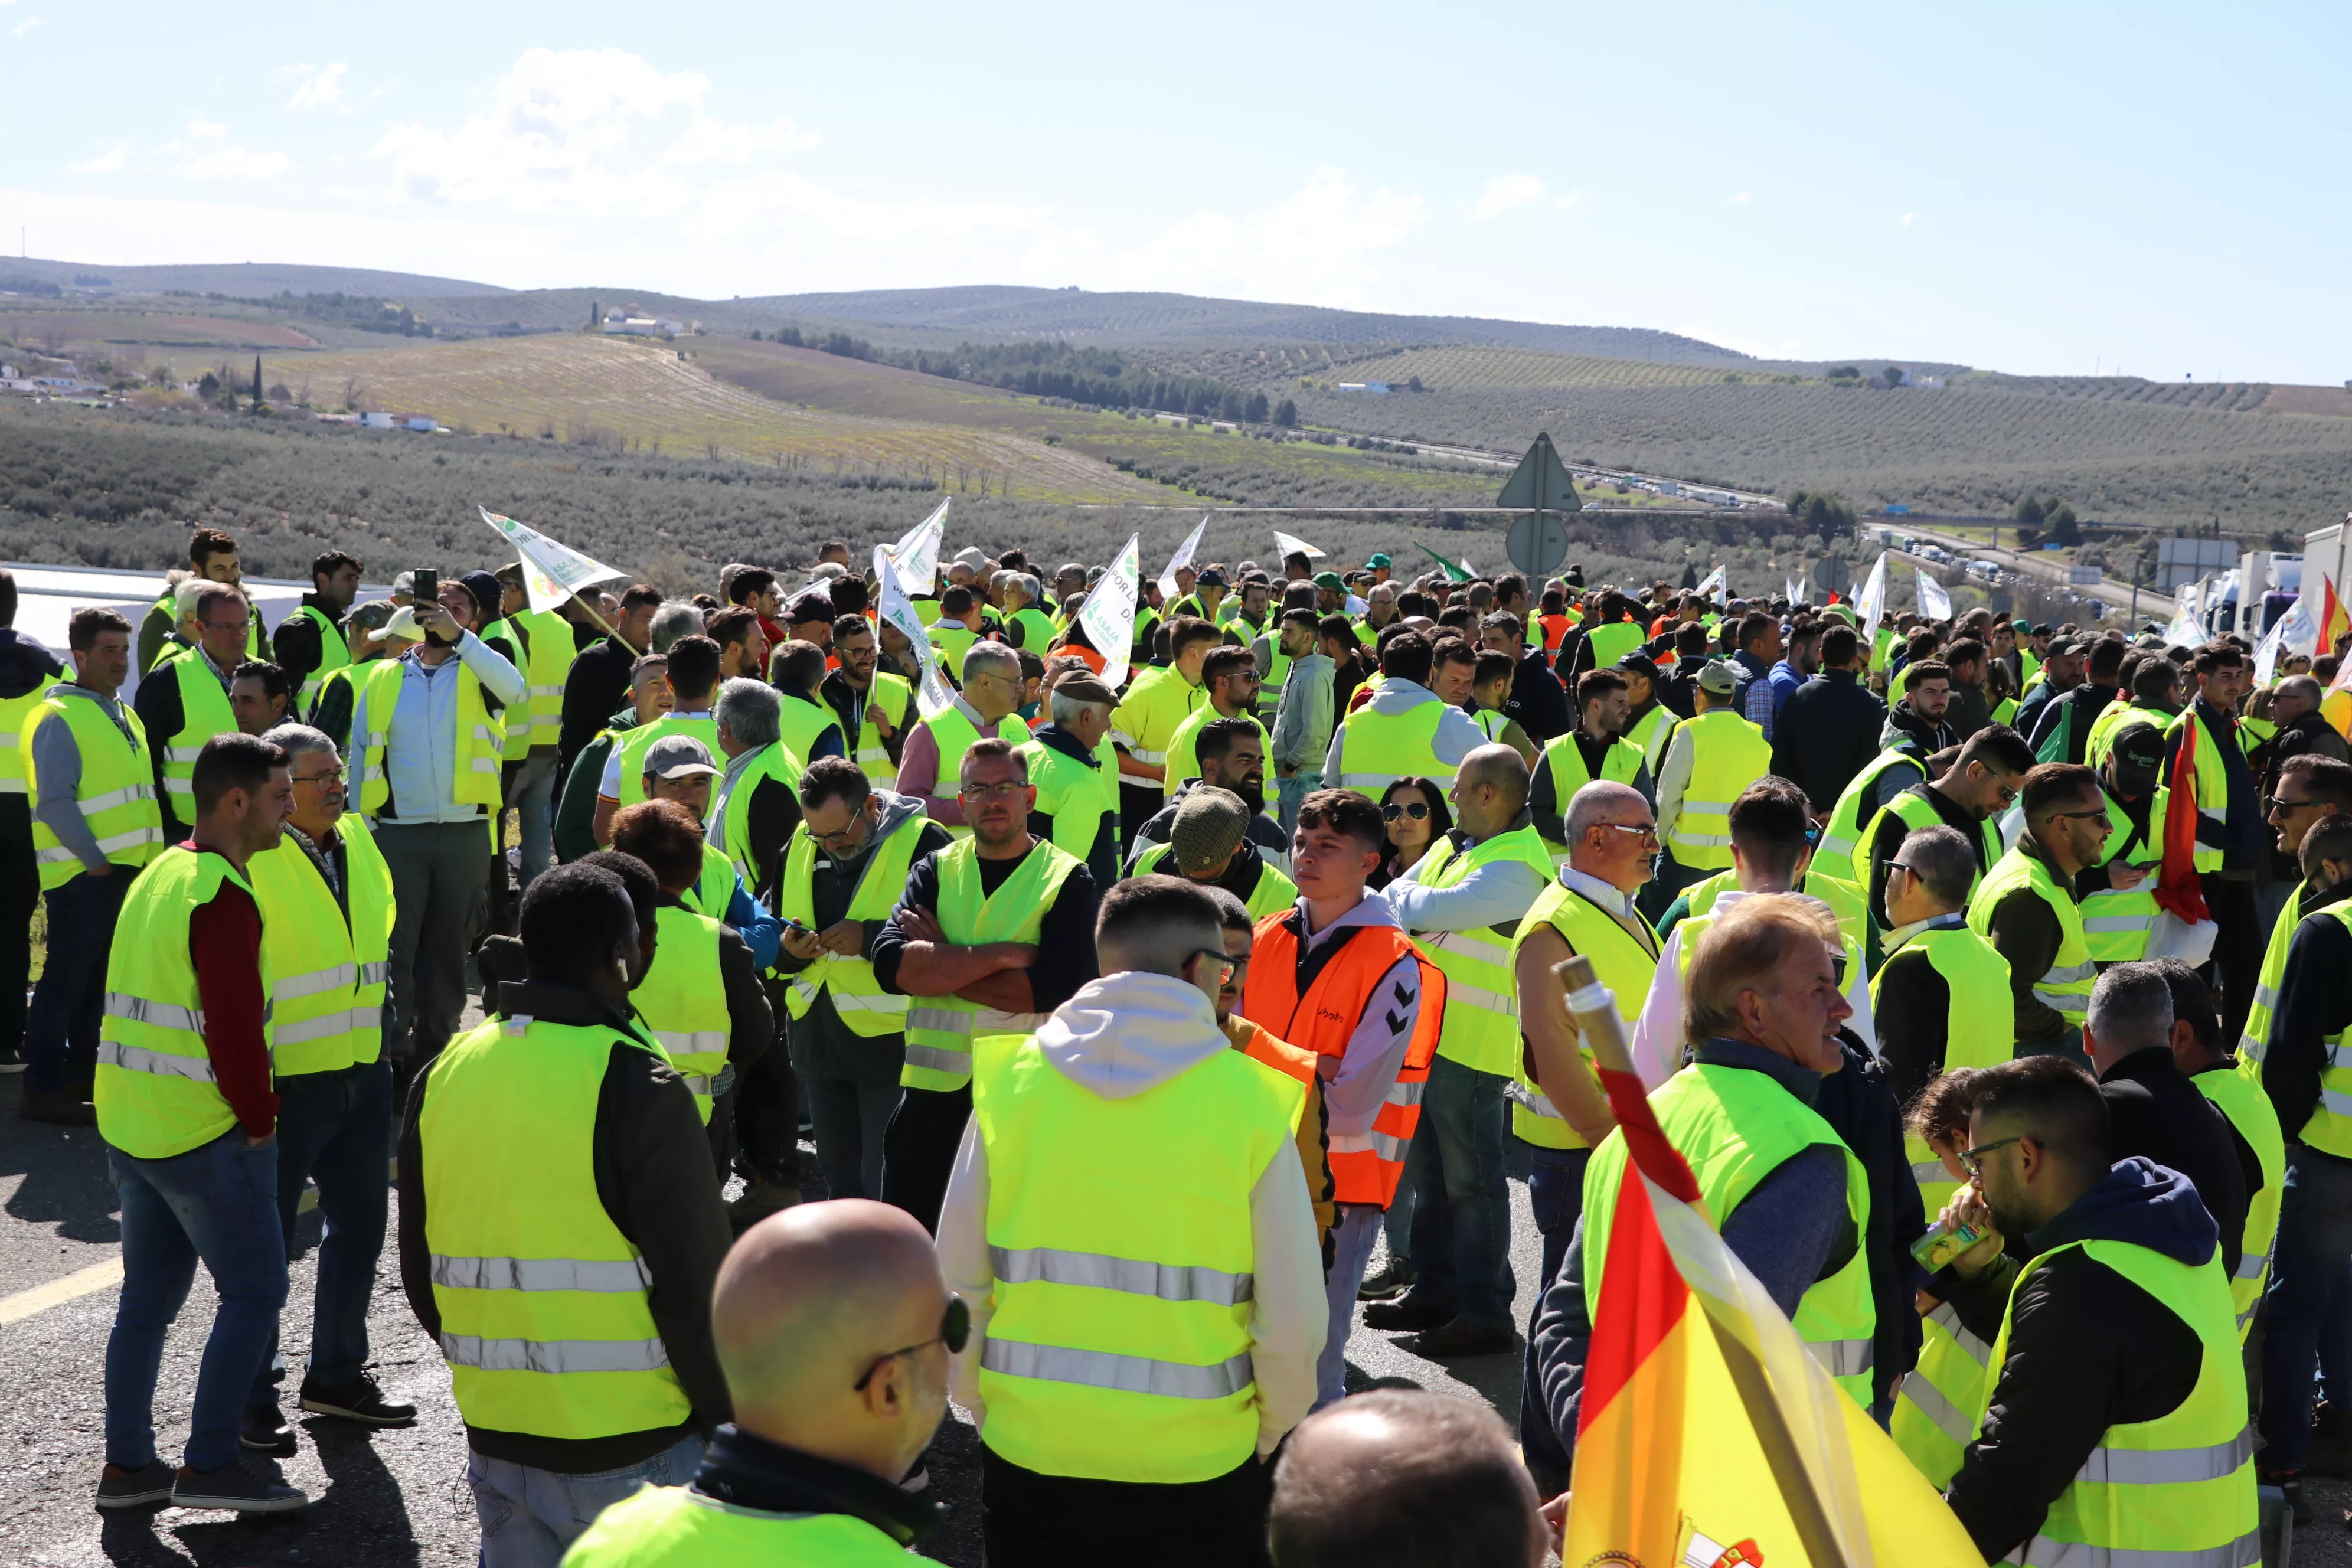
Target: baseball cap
810,606
1719,679
1378,560
2024,627
677,757
1330,580
1210,577
1210,826
1639,664
488,595
970,557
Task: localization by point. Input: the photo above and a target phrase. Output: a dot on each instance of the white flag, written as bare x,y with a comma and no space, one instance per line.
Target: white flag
1796,595
916,558
1108,614
551,573
1184,557
2291,633
1285,544
1717,582
2188,607
1870,602
1934,603
932,695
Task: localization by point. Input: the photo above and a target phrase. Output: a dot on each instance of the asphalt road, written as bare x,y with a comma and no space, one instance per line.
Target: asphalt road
387,1501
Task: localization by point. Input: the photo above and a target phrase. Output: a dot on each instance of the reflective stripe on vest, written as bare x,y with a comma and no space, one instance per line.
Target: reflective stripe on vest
1481,1028
940,1029
1104,1369
1101,1271
2065,987
1622,960
116,792
682,1001
1727,754
1377,749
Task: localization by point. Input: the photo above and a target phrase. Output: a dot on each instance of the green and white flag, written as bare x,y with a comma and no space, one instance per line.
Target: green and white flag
916,558
1285,544
1184,557
1108,614
1717,583
551,573
1455,570
933,694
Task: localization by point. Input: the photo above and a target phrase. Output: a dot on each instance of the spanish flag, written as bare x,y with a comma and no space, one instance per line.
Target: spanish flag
1709,1437
2333,621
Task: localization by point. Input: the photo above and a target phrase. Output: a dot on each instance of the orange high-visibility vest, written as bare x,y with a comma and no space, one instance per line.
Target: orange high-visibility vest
1554,628
1364,1170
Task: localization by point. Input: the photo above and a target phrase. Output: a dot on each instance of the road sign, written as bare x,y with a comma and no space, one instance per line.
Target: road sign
1540,485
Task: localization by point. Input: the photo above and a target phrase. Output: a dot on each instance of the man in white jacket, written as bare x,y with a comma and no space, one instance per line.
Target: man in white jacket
1128,1223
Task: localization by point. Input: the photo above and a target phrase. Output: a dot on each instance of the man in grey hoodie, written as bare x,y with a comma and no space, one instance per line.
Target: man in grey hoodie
1212,1212
1302,721
1385,747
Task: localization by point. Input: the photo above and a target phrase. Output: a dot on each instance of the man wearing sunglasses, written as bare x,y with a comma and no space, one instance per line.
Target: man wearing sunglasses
2025,907
2120,1359
1129,1222
835,1331
1970,795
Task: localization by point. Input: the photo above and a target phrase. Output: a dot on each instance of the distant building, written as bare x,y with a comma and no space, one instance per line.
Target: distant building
375,420
617,324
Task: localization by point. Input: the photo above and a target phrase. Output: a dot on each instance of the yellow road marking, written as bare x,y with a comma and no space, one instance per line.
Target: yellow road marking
58,1292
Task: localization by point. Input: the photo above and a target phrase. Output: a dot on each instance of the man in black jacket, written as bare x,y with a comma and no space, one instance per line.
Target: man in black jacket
300,643
653,1180
1828,729
1979,784
2062,674
2089,1351
599,680
26,667
2152,1108
2076,710
1537,702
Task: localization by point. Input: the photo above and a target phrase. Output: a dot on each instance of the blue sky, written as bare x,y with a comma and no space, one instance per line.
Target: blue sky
2049,188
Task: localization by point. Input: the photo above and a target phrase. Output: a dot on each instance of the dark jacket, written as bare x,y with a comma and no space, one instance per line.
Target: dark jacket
2308,734
1920,735
2088,1349
822,1045
598,683
2077,710
1968,712
752,1475
1911,1007
2024,929
295,646
1882,845
2315,1005
1538,703
1827,733
2154,1112
1066,939
1792,1229
1858,1103
653,1178
162,711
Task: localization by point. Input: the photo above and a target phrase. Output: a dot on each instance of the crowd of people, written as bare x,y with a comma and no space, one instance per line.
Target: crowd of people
1137,1000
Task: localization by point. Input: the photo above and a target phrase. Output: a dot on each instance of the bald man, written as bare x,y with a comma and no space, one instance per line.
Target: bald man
834,1329
1462,902
1401,1475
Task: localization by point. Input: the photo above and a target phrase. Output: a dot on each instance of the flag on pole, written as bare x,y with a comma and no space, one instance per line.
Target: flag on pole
1708,1434
1870,602
551,573
916,558
2333,621
1795,595
1184,557
1455,572
1285,544
931,694
2177,887
1934,603
2187,611
1108,614
1716,583
2291,633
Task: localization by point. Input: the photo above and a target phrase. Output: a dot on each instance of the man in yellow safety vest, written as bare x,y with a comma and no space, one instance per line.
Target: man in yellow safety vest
1710,758
2025,906
986,709
183,702
27,671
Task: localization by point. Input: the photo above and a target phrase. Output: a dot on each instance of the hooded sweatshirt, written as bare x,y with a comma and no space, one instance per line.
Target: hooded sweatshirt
2088,1349
1120,1037
1457,734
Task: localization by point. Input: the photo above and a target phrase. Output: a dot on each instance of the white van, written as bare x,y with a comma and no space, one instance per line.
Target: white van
1984,571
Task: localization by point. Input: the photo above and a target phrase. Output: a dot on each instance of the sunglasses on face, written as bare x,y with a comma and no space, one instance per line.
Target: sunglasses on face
1417,811
955,1332
1972,1160
1219,962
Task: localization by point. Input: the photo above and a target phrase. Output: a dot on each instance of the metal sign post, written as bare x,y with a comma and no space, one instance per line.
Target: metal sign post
1540,486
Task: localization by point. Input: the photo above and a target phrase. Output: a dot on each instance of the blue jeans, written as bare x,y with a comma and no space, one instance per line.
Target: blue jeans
1358,1227
1290,792
531,1518
1556,1195
2315,1241
217,1202
61,1030
850,1120
1461,1202
534,796
334,1128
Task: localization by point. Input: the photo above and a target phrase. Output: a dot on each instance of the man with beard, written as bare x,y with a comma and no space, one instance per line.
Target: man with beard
1595,749
2059,677
2059,728
1232,757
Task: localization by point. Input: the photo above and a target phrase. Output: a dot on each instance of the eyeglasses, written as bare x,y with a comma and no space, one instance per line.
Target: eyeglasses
989,792
2100,815
1226,967
1972,1160
1898,866
1418,811
955,1332
2273,804
1647,831
235,625
332,775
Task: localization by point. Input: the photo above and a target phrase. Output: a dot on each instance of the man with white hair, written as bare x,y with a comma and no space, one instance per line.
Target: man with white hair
985,711
1025,626
1076,773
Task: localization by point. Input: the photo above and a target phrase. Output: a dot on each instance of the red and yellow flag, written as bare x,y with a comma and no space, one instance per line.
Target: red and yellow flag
2177,888
2333,620
1709,1437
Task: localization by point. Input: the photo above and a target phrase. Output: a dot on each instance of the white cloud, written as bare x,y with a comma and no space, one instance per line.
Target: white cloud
1743,198
235,163
1906,220
320,89
29,25
105,163
1315,244
595,131
204,129
1507,193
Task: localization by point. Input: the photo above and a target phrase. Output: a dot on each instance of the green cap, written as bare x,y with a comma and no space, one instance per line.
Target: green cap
1377,560
1330,580
2023,628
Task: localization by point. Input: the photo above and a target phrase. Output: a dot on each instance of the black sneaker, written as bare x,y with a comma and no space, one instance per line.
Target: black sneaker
363,1402
2290,1483
149,1483
1394,1278
237,1486
264,1431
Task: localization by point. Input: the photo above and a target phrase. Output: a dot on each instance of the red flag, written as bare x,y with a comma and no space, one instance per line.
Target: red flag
2334,622
2176,885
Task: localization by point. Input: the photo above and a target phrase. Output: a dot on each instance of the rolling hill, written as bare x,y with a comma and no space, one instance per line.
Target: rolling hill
250,279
